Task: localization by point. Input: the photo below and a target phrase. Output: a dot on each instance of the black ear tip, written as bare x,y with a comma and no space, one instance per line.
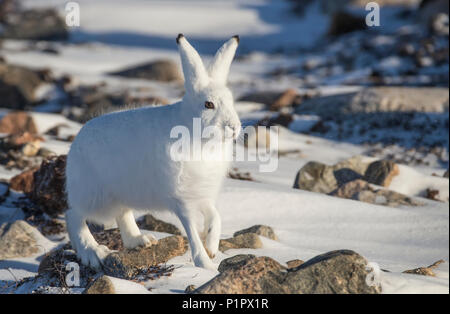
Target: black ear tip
237,38
179,37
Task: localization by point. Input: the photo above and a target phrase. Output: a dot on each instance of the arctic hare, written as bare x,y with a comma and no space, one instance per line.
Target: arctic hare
122,161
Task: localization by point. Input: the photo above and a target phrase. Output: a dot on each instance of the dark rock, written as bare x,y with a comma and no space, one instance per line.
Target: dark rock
162,70
261,230
49,186
283,119
446,174
381,172
344,22
111,238
151,223
190,289
17,240
234,262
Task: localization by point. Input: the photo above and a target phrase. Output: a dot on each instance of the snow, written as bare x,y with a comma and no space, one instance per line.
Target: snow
306,223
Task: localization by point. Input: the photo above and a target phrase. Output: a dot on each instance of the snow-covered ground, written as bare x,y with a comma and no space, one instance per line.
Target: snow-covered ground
115,34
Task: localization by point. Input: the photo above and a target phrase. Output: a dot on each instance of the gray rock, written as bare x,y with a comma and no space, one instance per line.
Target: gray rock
34,24
336,272
446,174
261,230
378,100
246,240
17,86
321,178
161,70
17,240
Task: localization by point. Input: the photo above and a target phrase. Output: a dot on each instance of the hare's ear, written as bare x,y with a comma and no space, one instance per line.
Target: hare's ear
194,71
220,66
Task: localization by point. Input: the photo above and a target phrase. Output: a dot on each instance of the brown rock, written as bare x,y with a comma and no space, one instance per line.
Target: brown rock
23,182
275,100
261,230
381,172
21,124
111,238
246,240
151,223
49,186
425,271
190,289
294,263
161,70
102,285
351,189
126,264
17,240
283,119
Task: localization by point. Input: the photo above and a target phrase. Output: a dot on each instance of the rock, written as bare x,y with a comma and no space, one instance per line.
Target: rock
18,123
151,223
18,140
342,272
283,119
260,138
49,186
17,240
190,289
246,240
321,178
275,100
34,24
429,10
425,271
161,70
23,182
111,238
31,149
378,100
294,263
102,285
255,275
18,86
234,262
360,190
432,194
336,272
446,174
344,22
261,230
128,263
381,172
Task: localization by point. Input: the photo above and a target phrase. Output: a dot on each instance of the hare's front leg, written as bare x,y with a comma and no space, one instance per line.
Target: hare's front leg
88,250
199,255
212,227
131,235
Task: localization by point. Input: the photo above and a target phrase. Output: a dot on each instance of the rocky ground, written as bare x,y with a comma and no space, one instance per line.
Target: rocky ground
361,189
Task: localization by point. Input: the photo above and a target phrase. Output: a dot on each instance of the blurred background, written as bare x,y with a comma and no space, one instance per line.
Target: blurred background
314,67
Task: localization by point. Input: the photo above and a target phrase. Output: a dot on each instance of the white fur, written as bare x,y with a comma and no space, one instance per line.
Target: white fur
121,161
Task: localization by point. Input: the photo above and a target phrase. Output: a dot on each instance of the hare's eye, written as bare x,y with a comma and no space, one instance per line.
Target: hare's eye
209,105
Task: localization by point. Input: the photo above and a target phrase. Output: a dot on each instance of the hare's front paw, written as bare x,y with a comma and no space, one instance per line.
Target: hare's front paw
139,241
205,263
93,256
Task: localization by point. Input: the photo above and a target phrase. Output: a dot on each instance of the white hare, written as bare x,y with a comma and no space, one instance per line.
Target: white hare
121,161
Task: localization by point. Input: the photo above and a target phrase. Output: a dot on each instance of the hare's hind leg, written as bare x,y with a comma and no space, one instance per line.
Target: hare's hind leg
131,235
199,254
212,228
88,250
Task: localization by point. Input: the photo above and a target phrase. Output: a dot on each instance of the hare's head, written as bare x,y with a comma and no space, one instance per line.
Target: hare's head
207,94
